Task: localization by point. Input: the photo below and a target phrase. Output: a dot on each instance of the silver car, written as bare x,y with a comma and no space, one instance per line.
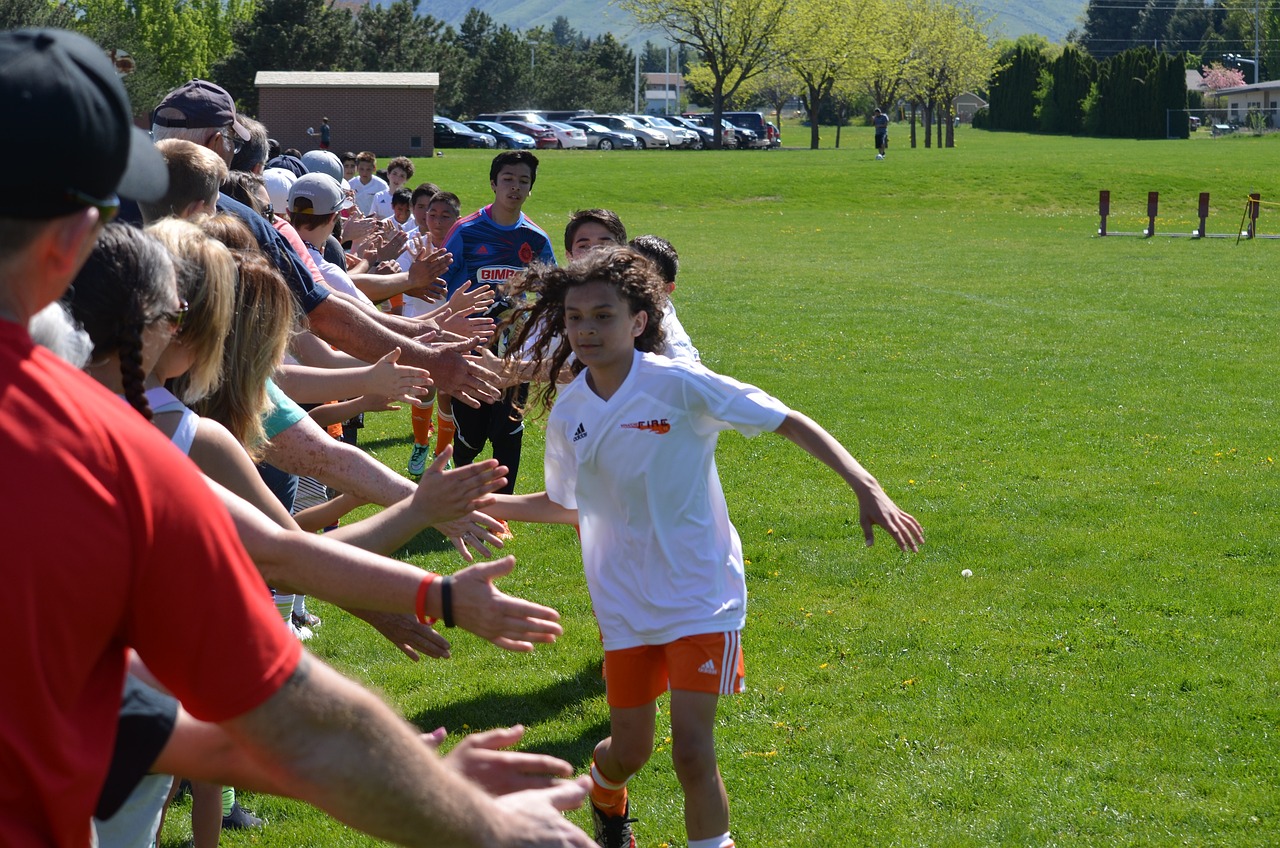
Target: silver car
676,136
645,137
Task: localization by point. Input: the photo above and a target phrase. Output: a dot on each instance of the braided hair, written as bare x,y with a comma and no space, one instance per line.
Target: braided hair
126,285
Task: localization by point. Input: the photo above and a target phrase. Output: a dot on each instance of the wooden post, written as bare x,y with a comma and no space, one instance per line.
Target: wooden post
1254,202
1104,209
1204,214
1153,206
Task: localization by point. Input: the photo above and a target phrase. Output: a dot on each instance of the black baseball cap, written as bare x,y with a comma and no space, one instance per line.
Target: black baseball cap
61,96
199,104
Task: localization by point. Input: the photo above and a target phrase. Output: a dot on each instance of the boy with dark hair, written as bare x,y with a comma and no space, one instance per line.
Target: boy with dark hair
489,247
366,185
589,228
880,121
402,208
399,172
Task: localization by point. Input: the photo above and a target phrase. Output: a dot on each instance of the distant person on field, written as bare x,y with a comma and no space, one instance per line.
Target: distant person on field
326,133
880,121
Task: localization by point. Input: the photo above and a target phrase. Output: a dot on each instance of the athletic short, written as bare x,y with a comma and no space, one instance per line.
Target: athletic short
882,139
710,663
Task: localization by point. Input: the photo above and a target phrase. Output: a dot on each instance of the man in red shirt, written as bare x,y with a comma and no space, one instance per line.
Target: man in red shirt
106,523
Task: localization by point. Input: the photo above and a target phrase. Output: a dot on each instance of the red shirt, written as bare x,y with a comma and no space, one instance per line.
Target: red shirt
110,538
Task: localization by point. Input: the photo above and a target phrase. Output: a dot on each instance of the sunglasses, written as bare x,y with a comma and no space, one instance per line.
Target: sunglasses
107,209
232,139
176,317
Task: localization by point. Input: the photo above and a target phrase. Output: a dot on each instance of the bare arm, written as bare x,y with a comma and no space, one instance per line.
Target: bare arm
356,331
336,746
875,507
385,378
536,508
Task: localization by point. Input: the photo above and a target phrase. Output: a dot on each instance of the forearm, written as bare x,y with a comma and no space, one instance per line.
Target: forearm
535,508
329,414
338,747
310,349
379,287
315,518
307,450
310,384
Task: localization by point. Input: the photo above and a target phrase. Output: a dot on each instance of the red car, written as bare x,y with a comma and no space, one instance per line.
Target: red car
543,135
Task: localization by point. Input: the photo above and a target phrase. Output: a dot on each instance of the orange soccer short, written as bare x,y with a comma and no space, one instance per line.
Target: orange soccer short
711,662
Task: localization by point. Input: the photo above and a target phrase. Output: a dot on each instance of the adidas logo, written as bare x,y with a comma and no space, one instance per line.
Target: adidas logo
482,251
580,433
708,667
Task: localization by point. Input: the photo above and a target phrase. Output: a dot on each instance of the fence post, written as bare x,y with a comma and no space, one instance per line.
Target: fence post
1254,202
1204,214
1104,209
1153,206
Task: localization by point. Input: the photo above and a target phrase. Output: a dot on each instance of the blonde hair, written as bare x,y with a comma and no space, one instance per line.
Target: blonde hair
207,281
195,173
264,318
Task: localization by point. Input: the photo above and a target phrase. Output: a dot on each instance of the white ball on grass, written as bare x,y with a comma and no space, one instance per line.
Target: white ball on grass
966,573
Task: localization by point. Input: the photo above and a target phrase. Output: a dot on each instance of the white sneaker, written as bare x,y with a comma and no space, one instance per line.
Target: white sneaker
879,155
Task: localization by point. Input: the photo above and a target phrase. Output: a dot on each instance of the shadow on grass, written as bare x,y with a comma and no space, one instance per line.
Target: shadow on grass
384,442
529,708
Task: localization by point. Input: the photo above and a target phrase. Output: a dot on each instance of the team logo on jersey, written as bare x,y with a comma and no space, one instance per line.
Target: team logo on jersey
496,274
580,433
482,250
526,253
654,425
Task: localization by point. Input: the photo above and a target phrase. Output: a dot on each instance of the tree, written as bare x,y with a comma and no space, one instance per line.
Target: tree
954,54
17,14
819,53
733,38
1109,26
1013,92
1064,86
286,35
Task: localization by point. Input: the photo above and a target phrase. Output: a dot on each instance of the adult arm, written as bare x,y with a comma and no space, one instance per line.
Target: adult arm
336,746
874,506
357,332
385,378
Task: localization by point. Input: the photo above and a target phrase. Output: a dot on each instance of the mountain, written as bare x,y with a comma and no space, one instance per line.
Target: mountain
1051,18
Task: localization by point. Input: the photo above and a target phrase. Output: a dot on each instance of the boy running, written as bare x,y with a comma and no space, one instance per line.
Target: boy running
631,458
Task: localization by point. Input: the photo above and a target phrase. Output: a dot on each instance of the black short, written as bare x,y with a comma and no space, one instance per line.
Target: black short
882,139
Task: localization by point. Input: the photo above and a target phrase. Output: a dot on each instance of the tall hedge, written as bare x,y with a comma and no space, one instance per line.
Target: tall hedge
1013,103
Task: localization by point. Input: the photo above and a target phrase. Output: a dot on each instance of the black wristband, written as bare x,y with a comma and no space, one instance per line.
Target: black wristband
446,600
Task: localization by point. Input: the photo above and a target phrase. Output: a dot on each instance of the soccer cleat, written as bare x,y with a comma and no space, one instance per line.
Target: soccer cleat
418,459
306,619
240,819
614,831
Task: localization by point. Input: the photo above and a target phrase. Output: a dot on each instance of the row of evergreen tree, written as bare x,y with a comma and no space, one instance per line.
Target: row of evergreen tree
1128,95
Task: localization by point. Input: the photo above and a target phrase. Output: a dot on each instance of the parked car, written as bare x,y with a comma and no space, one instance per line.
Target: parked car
563,116
753,121
603,138
505,137
676,136
775,134
568,137
706,135
728,139
645,137
543,135
450,133
526,115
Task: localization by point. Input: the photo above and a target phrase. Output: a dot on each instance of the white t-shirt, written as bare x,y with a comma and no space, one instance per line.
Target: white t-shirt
662,559
679,345
413,306
365,193
337,278
381,206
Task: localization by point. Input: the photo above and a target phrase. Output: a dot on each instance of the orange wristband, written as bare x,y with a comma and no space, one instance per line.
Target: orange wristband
420,604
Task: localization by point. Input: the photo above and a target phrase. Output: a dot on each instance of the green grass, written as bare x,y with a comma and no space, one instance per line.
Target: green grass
1088,424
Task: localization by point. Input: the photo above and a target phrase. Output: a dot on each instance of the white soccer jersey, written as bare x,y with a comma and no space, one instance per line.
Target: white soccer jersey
679,345
366,192
662,559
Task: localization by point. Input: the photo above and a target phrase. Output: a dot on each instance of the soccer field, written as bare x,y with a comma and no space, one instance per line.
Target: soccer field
1089,425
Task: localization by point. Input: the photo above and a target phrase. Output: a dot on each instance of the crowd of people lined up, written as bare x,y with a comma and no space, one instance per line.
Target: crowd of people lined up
191,325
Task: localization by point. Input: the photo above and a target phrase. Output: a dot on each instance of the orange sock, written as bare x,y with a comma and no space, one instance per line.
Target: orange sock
445,428
422,424
610,797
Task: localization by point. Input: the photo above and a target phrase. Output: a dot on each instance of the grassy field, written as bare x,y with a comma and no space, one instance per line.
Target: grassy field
1088,424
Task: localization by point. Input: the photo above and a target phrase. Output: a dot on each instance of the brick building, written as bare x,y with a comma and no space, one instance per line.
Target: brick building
389,114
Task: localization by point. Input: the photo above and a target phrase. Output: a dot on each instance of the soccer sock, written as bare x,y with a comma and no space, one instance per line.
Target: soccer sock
228,800
445,428
724,840
300,605
608,796
422,424
284,606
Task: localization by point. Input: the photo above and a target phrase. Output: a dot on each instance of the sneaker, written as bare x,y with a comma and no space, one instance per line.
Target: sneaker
879,155
614,831
418,459
240,819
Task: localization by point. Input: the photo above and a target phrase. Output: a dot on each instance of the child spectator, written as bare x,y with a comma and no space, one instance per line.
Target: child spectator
630,458
348,166
195,175
402,208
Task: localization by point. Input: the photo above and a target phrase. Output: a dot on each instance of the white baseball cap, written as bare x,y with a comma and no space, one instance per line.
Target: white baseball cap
317,194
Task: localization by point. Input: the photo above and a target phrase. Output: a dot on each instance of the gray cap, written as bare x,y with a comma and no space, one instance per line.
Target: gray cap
317,194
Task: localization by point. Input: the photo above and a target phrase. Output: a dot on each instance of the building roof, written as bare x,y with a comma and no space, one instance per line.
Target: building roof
1195,80
353,79
1269,85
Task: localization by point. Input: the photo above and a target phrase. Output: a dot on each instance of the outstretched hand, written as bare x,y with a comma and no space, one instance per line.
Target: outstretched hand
475,531
510,623
444,494
408,634
478,757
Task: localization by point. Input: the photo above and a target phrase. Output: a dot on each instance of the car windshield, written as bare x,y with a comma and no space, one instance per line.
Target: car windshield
662,122
596,128
559,125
